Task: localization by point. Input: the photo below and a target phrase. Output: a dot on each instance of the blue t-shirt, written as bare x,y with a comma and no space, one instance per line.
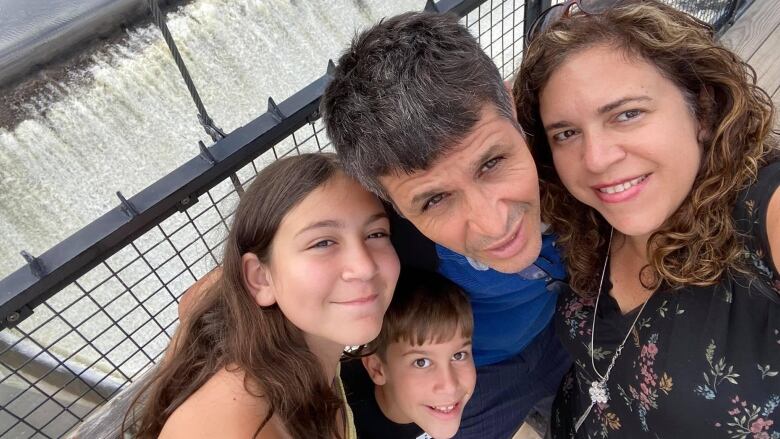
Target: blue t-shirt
509,309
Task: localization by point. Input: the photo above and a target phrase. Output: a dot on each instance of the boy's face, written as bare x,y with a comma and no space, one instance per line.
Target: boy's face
427,384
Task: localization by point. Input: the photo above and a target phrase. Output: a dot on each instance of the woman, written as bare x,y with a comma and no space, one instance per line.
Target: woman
308,269
659,174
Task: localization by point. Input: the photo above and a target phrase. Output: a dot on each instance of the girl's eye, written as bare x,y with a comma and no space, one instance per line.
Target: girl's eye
490,164
325,243
460,356
628,115
563,135
377,235
433,201
422,363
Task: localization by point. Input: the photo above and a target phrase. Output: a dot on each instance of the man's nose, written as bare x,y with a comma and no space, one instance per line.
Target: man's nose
487,215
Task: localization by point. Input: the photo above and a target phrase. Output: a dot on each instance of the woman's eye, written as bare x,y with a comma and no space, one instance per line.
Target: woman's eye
433,201
563,135
490,164
460,356
628,115
422,363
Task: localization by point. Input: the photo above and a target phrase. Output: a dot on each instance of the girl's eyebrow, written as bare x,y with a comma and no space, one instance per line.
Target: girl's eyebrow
334,224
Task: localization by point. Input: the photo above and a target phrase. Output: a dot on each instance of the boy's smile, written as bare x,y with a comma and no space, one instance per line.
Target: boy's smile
428,384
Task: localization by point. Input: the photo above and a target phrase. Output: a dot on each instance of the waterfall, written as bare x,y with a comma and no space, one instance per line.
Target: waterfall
123,119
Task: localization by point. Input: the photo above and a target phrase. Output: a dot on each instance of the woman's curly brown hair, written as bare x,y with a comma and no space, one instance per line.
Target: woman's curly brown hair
699,242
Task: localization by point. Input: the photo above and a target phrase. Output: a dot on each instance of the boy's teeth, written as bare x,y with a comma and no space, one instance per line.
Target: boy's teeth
444,408
618,188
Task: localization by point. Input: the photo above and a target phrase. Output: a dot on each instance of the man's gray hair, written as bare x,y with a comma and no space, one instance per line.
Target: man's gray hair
405,92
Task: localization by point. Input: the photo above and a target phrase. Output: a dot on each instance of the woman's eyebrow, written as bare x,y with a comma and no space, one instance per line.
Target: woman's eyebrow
615,104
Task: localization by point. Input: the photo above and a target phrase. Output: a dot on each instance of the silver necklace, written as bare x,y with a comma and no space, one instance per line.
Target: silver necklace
598,388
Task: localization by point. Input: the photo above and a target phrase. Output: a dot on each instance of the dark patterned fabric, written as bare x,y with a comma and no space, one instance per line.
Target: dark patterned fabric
702,362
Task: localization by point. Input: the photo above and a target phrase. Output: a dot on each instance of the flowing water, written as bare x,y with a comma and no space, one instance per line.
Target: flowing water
123,118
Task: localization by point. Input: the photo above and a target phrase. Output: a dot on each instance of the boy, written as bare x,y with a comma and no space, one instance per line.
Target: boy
420,374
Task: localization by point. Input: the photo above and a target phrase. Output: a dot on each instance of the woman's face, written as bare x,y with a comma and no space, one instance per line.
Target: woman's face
332,268
624,139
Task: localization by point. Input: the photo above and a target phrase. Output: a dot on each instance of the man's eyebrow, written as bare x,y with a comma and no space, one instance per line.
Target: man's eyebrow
601,110
423,196
333,224
486,155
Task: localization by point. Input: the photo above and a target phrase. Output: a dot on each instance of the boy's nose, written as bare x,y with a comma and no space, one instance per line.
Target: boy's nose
446,380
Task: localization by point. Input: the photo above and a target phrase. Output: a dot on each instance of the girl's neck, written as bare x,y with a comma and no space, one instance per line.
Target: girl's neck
328,352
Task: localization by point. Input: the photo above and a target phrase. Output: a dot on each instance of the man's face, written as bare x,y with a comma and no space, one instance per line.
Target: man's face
480,200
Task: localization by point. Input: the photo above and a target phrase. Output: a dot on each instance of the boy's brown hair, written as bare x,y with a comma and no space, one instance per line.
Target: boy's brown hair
426,307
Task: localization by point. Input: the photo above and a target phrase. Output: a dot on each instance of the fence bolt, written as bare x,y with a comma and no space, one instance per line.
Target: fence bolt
13,317
35,264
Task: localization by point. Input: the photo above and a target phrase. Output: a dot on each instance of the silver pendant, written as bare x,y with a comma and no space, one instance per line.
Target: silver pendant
598,392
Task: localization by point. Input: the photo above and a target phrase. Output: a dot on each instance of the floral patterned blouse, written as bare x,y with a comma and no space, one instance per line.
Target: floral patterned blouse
702,362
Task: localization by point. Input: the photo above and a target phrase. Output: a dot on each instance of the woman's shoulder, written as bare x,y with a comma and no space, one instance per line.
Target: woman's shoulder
223,408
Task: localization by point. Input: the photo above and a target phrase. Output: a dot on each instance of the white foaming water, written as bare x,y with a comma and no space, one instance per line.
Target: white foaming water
128,119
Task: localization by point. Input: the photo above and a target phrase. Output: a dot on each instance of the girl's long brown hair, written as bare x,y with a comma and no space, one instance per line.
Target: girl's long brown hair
226,328
699,242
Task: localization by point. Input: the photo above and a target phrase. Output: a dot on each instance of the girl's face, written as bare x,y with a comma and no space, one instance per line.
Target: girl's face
332,267
623,138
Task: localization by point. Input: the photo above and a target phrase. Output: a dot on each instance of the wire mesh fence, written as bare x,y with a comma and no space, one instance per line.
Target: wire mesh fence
101,332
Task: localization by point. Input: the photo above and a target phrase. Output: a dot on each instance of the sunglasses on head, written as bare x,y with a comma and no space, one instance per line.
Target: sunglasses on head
566,9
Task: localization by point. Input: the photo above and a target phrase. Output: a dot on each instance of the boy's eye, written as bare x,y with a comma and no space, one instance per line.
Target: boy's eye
460,356
421,363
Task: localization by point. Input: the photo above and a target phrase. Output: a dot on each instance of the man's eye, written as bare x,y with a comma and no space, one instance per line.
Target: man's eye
460,356
433,201
628,115
421,363
490,164
563,135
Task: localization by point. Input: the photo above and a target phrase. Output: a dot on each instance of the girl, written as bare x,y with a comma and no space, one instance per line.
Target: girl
308,269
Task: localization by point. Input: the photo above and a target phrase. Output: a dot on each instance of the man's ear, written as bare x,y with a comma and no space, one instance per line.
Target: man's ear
257,280
375,369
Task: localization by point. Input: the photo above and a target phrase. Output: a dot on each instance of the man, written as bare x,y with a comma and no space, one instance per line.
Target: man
420,116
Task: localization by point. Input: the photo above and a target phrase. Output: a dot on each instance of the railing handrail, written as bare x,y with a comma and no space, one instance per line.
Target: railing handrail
47,274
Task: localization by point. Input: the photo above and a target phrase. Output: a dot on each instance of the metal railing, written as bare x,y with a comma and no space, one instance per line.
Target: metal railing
89,316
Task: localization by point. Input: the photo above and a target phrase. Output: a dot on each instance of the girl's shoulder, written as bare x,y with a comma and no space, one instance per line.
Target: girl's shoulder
223,408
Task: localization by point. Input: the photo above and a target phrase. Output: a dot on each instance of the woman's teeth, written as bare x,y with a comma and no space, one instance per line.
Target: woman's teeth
618,188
